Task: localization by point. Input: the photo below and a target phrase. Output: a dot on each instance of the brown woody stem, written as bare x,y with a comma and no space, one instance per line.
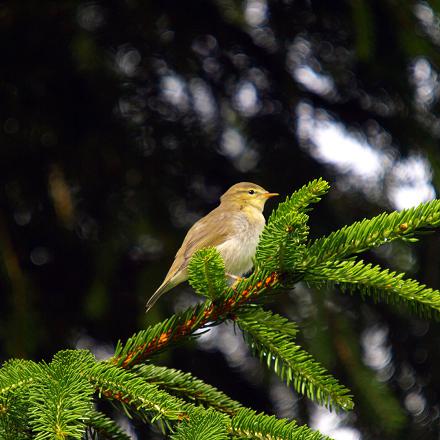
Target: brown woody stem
215,313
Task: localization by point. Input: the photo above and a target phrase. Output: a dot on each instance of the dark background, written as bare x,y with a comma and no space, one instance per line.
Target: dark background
121,123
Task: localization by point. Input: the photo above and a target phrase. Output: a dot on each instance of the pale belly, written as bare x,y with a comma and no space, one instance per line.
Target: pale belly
239,251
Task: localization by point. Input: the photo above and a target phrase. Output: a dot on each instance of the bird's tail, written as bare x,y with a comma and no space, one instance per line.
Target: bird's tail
164,287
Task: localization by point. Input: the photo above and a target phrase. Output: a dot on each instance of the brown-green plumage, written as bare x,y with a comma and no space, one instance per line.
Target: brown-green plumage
233,228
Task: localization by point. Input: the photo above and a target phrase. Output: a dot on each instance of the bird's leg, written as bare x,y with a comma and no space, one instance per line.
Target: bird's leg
236,279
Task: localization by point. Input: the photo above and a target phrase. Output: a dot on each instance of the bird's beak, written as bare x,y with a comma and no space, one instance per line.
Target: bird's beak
269,195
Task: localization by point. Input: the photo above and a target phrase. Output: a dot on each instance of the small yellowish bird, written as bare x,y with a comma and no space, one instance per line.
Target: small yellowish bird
233,228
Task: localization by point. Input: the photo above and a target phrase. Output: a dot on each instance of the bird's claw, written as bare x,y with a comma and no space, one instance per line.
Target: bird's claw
236,279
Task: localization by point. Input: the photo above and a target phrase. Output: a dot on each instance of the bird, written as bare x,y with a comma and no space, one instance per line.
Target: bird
233,228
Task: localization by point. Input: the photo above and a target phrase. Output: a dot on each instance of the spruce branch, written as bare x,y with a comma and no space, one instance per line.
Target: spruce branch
16,374
301,199
283,241
60,398
14,417
377,283
292,364
247,424
207,273
370,233
132,391
254,314
187,387
185,325
203,424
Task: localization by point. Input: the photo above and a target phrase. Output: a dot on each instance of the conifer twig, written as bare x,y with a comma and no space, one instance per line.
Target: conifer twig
148,342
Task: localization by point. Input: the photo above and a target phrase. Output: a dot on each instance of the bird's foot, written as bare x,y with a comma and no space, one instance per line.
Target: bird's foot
234,279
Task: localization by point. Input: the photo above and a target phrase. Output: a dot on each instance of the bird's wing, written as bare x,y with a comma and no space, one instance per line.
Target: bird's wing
211,230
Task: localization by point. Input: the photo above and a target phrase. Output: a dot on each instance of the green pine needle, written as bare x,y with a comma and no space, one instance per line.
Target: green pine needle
370,233
206,272
301,199
255,315
204,425
60,398
187,387
292,364
247,424
282,242
16,374
134,392
380,284
134,348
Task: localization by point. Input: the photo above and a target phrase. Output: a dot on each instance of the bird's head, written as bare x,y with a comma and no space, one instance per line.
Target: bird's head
247,194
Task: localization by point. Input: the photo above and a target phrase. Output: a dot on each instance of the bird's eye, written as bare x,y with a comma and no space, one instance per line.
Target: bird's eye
251,191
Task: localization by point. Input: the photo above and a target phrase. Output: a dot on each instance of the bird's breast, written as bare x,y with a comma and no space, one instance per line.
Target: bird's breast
239,249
